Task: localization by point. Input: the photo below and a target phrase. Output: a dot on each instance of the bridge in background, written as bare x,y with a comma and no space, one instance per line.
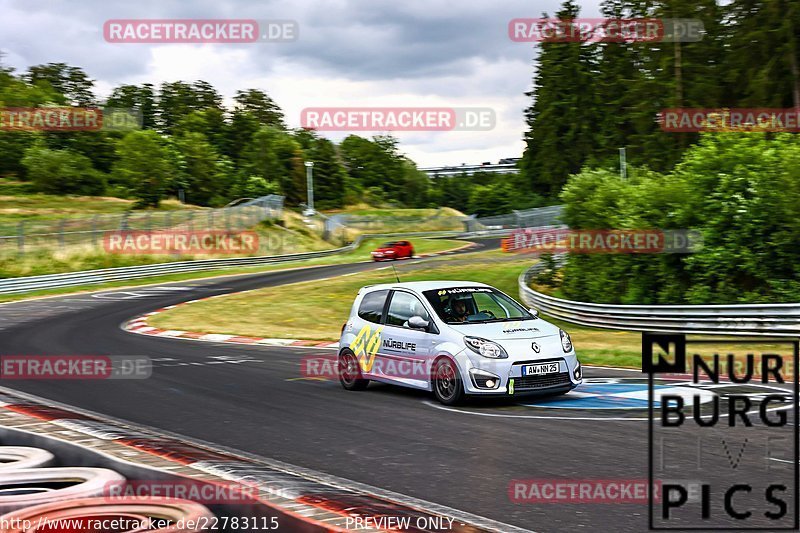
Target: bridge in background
504,166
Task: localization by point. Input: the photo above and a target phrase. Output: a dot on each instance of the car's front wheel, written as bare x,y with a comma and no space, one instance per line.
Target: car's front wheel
350,372
447,385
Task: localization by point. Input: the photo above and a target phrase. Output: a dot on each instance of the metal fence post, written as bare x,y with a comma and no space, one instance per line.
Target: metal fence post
21,237
94,230
61,233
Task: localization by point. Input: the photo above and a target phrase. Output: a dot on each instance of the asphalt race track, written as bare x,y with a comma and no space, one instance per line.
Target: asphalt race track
252,398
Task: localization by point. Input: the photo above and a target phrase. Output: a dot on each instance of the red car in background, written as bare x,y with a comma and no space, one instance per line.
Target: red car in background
393,250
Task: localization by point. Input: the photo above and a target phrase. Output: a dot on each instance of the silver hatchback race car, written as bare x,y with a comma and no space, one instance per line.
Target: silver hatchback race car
455,338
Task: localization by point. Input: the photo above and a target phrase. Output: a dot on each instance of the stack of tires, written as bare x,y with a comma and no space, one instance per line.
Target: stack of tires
37,497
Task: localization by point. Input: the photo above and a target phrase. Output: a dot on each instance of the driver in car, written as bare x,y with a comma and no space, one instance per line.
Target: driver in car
458,310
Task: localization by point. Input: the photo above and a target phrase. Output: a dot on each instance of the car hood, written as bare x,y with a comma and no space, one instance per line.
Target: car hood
384,250
515,329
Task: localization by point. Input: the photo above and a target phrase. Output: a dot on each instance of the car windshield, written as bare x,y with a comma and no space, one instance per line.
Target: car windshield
388,245
475,305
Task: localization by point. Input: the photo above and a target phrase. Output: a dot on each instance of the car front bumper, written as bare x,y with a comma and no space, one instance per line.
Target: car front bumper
505,375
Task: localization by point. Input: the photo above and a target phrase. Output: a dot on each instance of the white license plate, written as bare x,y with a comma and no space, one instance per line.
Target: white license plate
540,369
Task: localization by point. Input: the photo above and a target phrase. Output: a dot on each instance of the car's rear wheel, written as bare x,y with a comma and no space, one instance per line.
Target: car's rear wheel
350,372
447,385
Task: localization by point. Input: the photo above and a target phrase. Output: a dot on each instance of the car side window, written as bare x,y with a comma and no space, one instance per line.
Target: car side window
371,307
402,307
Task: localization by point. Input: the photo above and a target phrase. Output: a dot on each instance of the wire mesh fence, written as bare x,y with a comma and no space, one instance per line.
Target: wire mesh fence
441,220
529,218
58,234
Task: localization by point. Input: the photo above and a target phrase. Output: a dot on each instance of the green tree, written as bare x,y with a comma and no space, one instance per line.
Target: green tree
561,120
261,106
201,170
62,172
140,98
71,82
178,99
144,167
373,163
329,173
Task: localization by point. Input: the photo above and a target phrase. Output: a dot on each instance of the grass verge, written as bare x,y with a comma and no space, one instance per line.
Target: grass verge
359,254
316,310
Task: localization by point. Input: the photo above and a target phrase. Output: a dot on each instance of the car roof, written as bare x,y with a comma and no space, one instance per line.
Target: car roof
420,286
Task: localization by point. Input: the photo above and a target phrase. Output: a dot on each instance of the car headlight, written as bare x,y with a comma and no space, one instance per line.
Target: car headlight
485,348
566,342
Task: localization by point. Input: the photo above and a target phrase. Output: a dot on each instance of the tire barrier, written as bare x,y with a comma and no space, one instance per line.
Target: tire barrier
34,486
16,457
126,516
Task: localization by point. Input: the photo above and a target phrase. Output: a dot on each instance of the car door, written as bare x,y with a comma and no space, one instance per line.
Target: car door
366,328
405,351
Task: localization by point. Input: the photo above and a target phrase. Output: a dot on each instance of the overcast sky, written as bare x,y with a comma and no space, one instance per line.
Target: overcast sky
385,53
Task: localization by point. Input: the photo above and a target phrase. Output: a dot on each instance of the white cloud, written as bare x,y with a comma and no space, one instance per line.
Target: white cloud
350,52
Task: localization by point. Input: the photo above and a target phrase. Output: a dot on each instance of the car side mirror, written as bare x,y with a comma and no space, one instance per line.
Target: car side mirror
417,322
534,312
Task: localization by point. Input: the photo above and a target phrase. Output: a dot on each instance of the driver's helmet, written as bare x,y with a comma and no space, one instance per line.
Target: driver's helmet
462,299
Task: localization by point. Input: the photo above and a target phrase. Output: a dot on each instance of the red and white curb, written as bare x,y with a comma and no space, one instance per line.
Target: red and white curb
141,326
305,500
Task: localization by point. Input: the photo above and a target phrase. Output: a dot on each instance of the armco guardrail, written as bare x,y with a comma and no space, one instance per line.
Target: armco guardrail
777,320
93,277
